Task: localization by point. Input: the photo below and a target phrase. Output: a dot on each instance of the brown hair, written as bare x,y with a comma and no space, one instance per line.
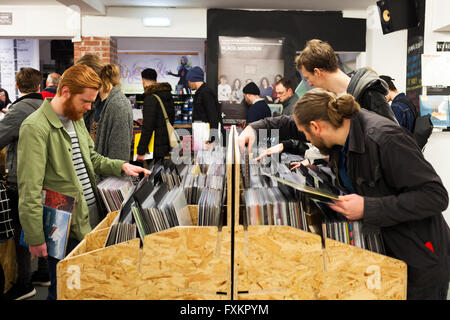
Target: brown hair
91,60
77,78
285,82
319,104
28,80
317,54
110,75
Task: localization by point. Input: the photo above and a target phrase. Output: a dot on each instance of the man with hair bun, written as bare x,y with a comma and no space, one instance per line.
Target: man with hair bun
55,141
390,186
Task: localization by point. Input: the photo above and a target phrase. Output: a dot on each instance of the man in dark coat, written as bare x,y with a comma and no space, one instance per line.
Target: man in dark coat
392,188
258,107
206,106
153,117
405,111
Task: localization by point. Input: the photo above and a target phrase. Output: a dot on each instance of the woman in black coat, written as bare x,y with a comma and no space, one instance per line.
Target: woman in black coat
153,120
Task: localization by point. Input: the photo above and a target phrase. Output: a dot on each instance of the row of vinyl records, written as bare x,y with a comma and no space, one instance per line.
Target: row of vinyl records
275,195
159,201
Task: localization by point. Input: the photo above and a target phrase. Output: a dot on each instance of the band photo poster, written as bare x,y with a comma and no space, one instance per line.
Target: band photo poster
243,60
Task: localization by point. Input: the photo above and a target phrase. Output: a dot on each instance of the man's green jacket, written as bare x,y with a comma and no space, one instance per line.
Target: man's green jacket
45,161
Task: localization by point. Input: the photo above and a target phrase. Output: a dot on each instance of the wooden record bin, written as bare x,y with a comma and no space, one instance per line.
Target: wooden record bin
191,262
267,262
282,262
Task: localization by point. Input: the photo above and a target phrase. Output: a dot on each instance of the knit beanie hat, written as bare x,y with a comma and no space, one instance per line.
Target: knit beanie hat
251,88
195,75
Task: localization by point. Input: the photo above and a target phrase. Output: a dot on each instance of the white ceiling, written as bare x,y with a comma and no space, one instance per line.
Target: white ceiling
225,4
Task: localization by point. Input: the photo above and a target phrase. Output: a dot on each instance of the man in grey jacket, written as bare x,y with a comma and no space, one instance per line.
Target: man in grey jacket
28,82
285,92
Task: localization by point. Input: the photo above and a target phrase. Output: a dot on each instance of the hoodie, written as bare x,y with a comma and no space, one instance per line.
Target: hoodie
370,92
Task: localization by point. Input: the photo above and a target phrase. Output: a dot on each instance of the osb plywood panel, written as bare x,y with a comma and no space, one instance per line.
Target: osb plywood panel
8,262
107,221
277,262
186,263
96,240
357,274
193,211
108,273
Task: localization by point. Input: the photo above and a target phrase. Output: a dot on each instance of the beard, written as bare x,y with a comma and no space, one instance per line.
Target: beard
71,112
320,144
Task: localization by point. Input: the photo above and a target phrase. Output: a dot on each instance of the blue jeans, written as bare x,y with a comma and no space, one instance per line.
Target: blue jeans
71,244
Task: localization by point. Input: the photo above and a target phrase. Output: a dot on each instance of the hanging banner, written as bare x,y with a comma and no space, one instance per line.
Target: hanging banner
243,60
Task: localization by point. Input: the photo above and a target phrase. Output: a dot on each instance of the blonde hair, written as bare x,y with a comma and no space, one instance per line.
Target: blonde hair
319,104
77,78
110,75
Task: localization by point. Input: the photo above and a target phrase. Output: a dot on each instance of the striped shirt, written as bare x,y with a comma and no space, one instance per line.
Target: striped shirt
78,162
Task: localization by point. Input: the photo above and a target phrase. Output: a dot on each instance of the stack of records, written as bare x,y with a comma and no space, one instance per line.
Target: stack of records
337,227
210,207
121,232
114,190
161,210
270,206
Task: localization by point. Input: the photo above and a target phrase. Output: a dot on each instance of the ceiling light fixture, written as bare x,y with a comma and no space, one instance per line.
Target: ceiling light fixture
156,22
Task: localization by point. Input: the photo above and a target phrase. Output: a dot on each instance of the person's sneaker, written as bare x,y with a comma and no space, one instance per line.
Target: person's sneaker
20,292
40,279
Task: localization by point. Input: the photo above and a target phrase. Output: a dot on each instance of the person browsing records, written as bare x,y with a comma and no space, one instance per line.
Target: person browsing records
55,140
391,188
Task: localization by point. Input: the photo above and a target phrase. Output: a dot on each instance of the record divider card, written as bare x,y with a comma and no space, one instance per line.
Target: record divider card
202,262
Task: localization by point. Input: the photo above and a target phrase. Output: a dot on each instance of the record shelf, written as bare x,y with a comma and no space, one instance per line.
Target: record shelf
190,262
237,262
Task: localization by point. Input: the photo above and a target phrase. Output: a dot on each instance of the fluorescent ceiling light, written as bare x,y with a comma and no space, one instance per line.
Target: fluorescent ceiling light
156,22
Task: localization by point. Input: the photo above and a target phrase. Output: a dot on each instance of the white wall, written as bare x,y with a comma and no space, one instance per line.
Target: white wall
60,21
438,156
127,22
386,54
436,13
38,21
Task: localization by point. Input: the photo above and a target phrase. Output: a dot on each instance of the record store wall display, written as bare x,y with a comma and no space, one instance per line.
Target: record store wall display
171,67
243,60
224,227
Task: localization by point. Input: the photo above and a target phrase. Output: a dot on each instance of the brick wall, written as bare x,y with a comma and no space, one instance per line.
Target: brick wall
104,47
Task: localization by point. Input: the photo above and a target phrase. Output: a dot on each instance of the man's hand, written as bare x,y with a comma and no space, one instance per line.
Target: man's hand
132,170
247,136
275,149
39,250
351,206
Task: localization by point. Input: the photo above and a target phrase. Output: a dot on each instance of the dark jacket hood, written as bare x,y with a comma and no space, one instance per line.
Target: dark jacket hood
365,79
160,86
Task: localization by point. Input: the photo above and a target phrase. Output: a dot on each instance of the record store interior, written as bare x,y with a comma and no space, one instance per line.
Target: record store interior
224,150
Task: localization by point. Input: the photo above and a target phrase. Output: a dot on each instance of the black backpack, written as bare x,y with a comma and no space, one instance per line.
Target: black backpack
422,126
